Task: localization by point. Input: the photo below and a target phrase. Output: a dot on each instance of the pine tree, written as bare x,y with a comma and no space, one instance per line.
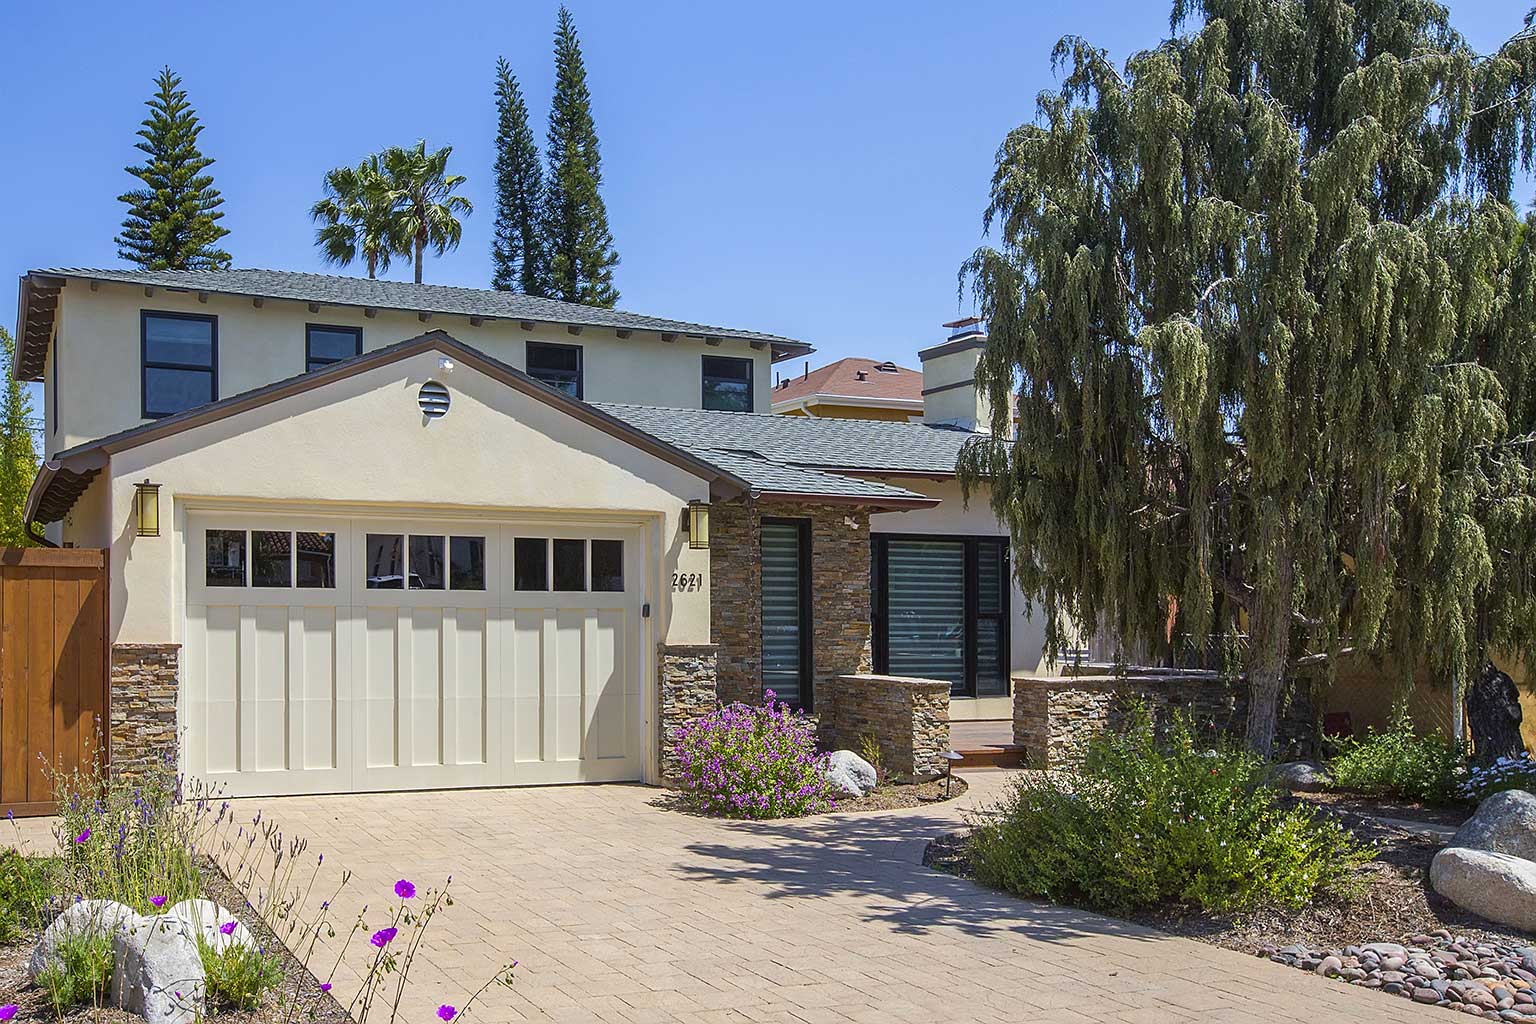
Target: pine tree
580,246
18,455
173,222
1263,307
517,247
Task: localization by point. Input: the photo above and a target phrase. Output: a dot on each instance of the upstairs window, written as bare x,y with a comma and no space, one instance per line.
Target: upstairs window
727,384
326,345
559,366
180,362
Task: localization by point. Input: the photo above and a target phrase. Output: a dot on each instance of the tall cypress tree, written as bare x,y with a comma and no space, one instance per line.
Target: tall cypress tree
173,221
581,252
517,247
18,455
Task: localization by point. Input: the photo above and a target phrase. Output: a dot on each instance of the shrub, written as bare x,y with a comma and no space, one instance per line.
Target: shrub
869,750
1146,822
238,976
80,971
1505,773
1399,763
752,762
24,895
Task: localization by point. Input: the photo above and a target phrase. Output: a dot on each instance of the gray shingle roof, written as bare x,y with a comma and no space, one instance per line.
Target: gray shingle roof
777,478
335,290
804,441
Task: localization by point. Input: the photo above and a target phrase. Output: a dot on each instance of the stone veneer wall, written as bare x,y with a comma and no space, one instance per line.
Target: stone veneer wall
909,719
143,707
687,678
840,625
1053,719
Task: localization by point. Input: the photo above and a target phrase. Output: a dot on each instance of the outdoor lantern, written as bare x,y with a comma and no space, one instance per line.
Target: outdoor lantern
146,500
698,525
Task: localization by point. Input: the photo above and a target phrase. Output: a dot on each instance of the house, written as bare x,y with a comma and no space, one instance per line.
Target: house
370,535
852,389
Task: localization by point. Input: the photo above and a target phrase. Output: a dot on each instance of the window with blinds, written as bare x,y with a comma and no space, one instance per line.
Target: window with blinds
940,609
786,609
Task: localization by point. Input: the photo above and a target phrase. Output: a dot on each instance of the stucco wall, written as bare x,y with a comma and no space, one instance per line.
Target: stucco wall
363,443
99,344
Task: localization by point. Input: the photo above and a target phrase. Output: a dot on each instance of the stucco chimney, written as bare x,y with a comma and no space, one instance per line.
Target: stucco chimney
949,378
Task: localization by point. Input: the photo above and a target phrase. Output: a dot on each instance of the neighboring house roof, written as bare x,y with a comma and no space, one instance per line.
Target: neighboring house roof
39,299
63,478
853,381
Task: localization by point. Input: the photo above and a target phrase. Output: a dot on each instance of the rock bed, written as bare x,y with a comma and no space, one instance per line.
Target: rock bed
1495,981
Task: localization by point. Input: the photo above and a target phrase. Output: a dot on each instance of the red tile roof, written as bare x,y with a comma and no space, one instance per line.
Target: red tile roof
853,378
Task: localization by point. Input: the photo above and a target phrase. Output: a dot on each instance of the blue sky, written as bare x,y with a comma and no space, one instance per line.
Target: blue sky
814,170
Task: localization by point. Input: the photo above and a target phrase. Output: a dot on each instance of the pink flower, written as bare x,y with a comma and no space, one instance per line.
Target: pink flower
9,1010
325,986
446,1012
384,936
227,928
405,890
157,901
83,836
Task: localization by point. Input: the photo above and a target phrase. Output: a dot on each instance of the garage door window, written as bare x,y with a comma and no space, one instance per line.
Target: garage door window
271,558
608,566
427,563
532,569
316,560
386,561
466,563
534,557
279,558
225,558
427,569
570,565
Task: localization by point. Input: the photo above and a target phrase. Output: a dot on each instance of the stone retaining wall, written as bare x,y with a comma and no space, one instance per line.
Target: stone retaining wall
143,708
686,674
1053,718
909,719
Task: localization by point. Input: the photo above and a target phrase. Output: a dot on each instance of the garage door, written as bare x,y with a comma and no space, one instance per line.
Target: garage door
327,655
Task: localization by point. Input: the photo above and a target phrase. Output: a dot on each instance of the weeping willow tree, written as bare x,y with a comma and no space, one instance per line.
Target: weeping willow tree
1265,312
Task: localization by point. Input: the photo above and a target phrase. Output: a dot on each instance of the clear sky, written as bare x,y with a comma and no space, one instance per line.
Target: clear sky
817,170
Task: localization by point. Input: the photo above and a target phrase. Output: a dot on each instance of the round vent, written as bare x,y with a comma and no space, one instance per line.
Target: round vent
433,399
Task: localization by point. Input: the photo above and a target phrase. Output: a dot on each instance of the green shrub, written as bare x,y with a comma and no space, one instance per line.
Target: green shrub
80,973
238,976
1149,821
869,750
1398,763
24,892
752,762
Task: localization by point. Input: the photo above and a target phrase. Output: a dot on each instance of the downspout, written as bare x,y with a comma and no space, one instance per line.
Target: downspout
39,538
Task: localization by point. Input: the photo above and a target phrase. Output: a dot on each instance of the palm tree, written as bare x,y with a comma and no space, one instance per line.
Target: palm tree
359,216
420,191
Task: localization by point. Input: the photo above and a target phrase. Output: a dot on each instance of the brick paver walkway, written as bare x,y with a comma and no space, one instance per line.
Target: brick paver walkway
622,911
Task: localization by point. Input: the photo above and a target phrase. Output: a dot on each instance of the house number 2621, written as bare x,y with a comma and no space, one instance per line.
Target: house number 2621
687,582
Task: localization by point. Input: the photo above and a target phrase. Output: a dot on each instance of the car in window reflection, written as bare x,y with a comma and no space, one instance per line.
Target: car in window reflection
394,581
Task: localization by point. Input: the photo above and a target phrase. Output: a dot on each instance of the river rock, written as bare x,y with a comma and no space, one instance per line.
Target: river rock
1503,823
1302,777
207,919
85,917
1498,886
158,972
850,774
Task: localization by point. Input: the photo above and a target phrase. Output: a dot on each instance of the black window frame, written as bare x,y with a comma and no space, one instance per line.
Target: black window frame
310,365
807,616
705,376
145,365
581,363
879,600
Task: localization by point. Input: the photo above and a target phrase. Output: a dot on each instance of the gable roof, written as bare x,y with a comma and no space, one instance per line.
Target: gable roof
40,289
882,382
63,478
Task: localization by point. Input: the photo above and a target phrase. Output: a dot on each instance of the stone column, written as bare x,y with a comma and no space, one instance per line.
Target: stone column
686,674
143,708
908,719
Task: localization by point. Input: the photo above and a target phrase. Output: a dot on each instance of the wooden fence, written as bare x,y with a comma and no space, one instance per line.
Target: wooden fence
54,676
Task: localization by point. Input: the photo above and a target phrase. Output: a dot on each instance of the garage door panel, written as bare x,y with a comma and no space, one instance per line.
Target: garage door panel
315,634
467,652
221,673
379,674
607,720
526,670
265,700
565,670
422,720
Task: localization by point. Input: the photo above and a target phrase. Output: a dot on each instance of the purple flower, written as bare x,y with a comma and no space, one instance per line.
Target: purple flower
227,928
384,936
83,836
7,1011
325,986
157,901
405,890
446,1012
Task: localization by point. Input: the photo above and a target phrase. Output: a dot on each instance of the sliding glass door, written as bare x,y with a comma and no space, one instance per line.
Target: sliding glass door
786,610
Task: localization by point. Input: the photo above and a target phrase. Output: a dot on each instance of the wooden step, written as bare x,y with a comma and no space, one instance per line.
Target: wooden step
1003,755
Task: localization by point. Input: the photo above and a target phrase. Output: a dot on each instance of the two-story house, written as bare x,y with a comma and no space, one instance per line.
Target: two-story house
370,535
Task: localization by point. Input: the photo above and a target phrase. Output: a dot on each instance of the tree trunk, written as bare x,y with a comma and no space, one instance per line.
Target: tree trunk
1493,709
373,265
1270,623
421,245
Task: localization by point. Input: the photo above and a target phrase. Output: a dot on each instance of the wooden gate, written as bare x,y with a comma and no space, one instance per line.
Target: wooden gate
54,675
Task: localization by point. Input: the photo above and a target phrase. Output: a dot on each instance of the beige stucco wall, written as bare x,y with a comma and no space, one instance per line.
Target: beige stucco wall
362,444
961,404
98,338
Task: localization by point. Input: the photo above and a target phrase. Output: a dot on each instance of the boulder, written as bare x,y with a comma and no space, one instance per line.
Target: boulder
1493,715
158,972
85,917
1497,886
1303,777
1503,823
850,774
205,918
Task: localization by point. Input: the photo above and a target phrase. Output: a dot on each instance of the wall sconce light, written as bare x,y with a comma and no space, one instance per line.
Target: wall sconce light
697,524
146,502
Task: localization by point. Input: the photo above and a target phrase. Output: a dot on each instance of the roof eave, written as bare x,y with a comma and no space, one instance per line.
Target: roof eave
893,501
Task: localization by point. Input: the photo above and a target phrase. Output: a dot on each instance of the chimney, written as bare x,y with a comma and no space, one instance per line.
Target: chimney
950,397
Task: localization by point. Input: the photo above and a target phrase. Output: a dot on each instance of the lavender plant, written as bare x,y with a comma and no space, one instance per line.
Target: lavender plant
752,762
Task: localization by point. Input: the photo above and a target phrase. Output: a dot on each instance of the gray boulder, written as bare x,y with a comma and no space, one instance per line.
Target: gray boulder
1303,777
1497,886
850,774
206,918
87,917
158,972
1503,823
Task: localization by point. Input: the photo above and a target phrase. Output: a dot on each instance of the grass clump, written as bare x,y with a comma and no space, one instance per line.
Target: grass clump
79,973
237,975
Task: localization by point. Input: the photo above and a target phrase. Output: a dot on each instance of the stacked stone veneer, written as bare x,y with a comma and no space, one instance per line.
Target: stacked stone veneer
143,708
908,718
1053,718
687,675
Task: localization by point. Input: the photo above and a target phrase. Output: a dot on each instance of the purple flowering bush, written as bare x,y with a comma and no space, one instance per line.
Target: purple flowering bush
752,762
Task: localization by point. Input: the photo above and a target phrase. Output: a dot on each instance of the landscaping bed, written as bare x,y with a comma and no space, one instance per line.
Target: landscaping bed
893,796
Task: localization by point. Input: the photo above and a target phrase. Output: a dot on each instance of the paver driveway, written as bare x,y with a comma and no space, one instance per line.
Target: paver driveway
621,911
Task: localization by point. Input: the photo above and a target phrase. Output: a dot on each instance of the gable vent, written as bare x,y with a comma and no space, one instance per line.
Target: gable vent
433,399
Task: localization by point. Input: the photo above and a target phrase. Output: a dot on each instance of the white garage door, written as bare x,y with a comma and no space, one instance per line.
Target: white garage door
334,655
